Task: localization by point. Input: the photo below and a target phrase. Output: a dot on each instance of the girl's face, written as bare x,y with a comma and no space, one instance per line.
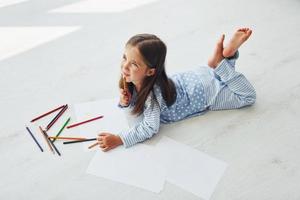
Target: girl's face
133,67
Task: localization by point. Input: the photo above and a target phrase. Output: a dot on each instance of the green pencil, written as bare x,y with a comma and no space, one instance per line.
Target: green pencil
62,128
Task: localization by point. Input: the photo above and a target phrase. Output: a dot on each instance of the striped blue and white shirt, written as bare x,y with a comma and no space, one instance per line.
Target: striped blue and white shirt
198,91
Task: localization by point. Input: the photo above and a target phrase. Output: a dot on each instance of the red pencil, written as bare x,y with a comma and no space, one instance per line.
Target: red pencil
43,115
56,117
77,124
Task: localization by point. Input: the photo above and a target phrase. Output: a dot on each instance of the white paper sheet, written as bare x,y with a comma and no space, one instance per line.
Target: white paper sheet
189,168
133,166
114,119
142,165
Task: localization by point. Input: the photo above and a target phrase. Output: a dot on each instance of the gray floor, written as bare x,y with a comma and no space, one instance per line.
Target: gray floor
260,143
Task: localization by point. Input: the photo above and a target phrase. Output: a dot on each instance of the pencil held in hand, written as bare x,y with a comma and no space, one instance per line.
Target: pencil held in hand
93,145
125,95
125,86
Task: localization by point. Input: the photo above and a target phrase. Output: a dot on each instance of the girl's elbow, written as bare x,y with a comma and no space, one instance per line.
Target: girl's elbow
153,131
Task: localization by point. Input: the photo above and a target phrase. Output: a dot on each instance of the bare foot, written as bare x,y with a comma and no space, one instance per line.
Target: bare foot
217,57
239,37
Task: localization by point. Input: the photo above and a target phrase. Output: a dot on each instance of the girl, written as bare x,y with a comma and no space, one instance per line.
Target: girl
146,89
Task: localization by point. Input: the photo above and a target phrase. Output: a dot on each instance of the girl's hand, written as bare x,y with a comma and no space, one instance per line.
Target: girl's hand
108,141
125,97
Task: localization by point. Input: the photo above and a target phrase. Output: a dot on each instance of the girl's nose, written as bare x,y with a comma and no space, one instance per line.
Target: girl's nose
125,66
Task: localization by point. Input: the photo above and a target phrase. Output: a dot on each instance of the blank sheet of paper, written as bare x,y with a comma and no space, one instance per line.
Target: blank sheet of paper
133,166
142,165
114,119
189,168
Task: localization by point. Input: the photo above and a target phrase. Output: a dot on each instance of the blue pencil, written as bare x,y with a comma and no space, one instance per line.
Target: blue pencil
34,139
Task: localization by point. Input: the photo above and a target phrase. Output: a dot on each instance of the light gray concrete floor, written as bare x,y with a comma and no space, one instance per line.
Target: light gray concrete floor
261,144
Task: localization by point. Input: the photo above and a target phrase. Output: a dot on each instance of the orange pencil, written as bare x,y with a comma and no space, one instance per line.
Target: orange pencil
93,145
49,145
68,138
50,142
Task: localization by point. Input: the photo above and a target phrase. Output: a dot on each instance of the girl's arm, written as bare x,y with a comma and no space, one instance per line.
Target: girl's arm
146,128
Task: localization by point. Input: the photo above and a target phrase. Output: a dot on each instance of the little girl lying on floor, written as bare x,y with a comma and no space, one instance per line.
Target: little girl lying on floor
147,90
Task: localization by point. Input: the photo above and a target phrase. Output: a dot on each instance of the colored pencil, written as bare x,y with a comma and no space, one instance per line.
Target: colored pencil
47,141
77,124
62,128
67,138
43,115
86,140
29,131
93,145
57,117
46,135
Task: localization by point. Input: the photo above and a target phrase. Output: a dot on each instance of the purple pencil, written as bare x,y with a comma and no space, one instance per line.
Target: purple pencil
57,117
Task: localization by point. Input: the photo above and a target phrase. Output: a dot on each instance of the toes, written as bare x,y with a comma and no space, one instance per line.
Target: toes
243,29
246,31
249,32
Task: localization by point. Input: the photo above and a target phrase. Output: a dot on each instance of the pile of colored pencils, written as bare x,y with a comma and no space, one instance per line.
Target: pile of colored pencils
51,139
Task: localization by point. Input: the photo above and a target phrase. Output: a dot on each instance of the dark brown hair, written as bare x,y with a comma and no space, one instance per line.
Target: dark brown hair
153,52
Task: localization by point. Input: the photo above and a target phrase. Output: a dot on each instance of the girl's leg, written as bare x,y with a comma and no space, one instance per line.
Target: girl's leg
235,90
233,59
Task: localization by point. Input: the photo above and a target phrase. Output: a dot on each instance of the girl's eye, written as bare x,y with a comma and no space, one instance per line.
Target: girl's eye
124,57
134,64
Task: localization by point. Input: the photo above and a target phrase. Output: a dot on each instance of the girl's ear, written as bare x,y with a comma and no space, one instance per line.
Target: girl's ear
151,72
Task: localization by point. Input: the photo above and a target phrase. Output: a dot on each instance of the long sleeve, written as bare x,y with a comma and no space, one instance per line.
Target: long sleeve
145,129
